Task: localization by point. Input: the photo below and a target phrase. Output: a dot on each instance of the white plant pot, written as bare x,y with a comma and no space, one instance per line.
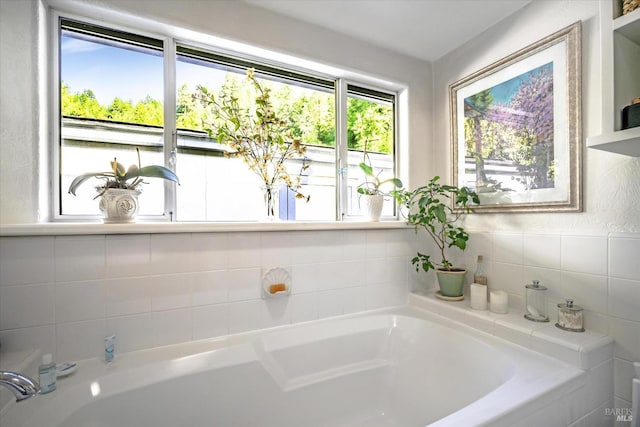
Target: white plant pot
119,205
371,206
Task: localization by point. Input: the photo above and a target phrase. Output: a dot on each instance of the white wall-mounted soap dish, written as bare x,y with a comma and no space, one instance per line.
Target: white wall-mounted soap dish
276,282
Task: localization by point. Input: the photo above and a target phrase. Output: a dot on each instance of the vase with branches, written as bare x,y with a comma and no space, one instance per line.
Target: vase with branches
260,137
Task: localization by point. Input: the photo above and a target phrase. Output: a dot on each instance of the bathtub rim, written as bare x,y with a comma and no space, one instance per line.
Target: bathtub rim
573,378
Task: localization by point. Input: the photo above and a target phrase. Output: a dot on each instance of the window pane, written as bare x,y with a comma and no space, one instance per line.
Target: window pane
371,139
219,188
111,99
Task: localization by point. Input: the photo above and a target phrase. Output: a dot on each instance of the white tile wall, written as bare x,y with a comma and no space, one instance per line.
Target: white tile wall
601,274
63,294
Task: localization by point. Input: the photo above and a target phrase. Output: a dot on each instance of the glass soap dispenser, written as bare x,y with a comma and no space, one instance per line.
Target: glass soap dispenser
570,317
536,302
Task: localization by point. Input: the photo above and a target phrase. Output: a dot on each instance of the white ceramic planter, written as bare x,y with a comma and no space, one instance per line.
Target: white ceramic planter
371,206
119,205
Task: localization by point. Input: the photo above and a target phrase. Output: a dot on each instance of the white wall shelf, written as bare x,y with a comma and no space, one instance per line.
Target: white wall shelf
620,38
625,142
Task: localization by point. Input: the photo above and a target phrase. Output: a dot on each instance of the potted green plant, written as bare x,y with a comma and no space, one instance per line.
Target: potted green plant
119,192
371,196
436,208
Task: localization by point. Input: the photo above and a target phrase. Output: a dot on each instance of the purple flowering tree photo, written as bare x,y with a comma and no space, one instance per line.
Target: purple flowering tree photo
509,132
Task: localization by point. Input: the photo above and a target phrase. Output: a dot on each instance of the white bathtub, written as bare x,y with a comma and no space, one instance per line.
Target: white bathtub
384,368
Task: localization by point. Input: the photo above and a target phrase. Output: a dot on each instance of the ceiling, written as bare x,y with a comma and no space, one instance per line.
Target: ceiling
424,29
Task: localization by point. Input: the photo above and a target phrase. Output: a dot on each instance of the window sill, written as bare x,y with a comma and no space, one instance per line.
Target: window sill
86,228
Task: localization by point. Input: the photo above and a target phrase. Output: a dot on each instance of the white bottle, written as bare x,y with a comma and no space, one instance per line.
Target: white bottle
47,374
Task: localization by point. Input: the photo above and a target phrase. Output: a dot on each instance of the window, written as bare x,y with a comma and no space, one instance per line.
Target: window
111,101
306,102
371,138
112,89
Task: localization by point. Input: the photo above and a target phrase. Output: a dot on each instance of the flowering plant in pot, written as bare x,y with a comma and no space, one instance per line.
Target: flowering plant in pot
121,187
259,136
371,196
436,208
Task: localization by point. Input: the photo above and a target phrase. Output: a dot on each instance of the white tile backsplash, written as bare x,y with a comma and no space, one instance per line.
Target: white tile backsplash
170,253
209,251
275,312
170,291
27,305
626,336
171,327
244,284
376,246
328,303
584,254
303,307
210,321
63,294
132,332
277,250
128,296
542,250
354,245
80,340
91,293
353,299
243,250
243,316
353,273
128,255
624,298
39,337
624,256
623,376
586,290
507,248
209,287
79,258
26,260
505,277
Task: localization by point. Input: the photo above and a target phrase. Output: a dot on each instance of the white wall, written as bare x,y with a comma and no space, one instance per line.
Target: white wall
19,132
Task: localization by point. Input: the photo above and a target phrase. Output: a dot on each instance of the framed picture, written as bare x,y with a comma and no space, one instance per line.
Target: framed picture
516,128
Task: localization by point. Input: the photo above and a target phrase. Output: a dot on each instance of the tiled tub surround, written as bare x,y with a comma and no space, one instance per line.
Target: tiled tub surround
63,294
401,366
590,351
600,272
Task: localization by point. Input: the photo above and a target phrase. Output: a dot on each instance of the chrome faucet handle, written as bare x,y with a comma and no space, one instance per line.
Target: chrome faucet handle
22,386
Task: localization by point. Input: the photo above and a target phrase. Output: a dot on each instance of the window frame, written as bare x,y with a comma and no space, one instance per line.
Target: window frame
171,44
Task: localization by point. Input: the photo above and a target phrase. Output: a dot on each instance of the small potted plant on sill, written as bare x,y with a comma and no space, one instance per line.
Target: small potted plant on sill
371,196
436,209
119,193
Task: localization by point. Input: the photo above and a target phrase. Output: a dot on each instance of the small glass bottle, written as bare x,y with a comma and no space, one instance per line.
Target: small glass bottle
480,276
47,374
536,302
570,317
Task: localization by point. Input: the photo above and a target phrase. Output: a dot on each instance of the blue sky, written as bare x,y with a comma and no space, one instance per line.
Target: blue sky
111,71
503,92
